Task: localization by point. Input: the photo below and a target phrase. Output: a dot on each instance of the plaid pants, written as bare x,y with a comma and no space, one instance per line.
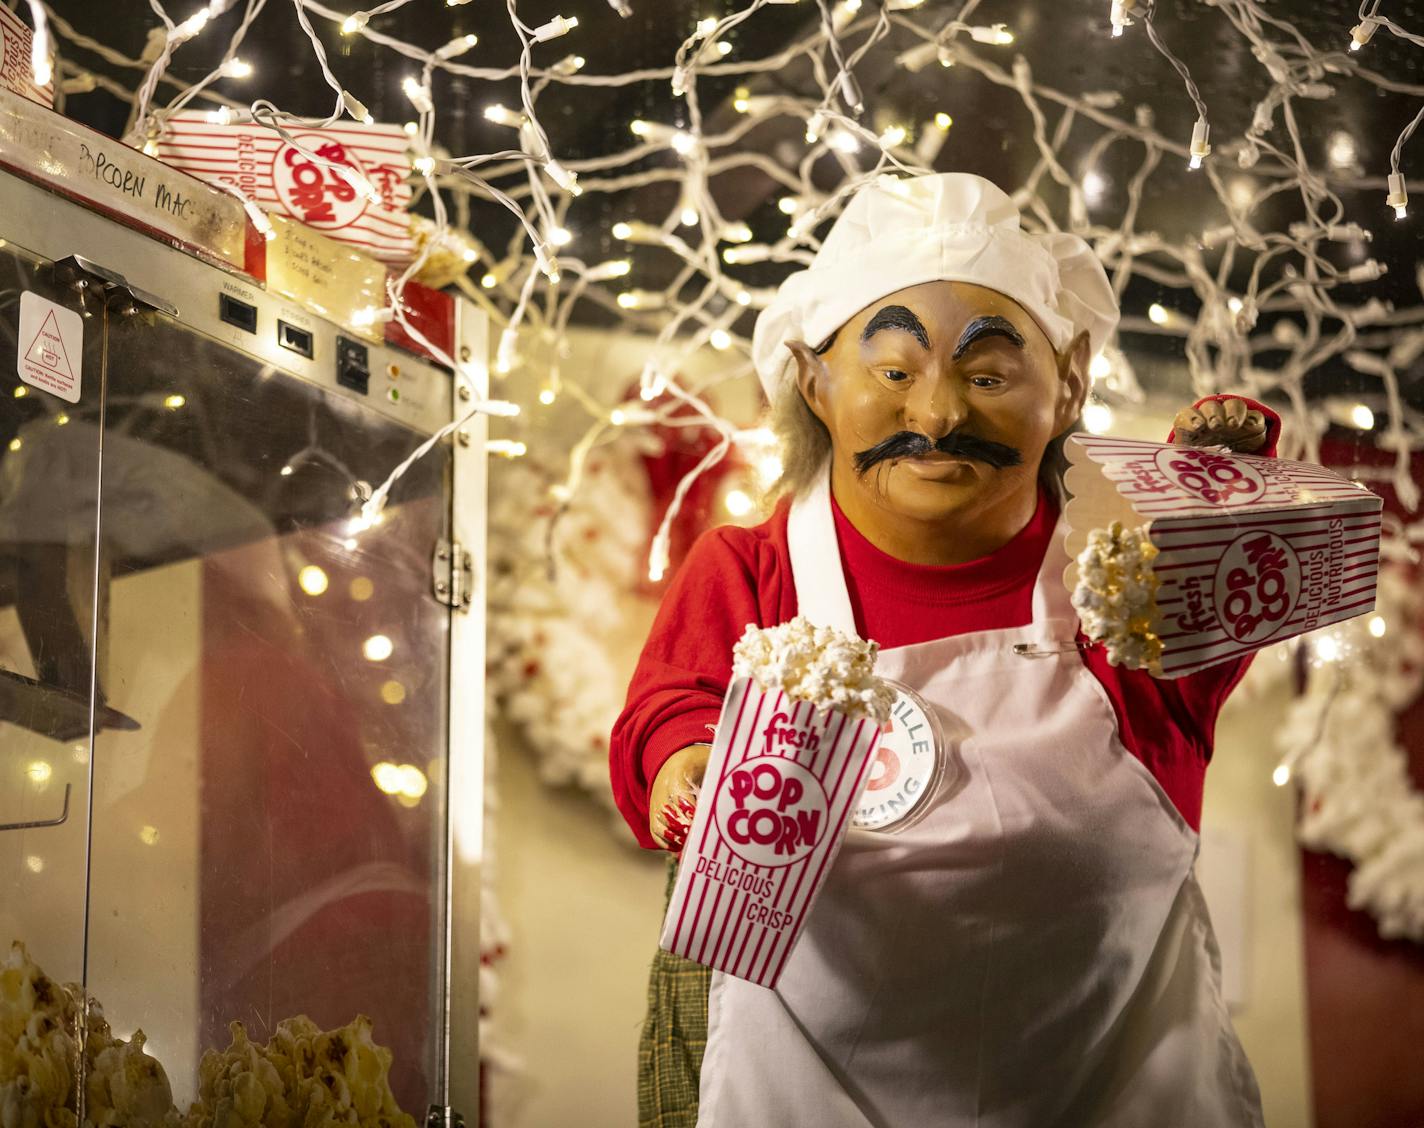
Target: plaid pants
674,1036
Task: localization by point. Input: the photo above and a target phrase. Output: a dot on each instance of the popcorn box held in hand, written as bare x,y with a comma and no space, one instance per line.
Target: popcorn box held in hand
781,783
1250,551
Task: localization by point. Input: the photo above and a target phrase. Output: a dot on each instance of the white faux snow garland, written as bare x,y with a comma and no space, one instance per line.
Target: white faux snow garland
1338,742
555,609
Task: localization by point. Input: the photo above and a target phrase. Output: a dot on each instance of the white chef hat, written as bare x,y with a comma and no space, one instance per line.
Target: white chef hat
946,227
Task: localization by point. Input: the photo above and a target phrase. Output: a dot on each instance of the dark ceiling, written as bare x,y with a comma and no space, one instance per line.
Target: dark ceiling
1066,43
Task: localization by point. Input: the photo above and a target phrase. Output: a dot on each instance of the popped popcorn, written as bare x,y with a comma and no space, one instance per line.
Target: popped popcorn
1116,595
303,1076
821,665
39,1058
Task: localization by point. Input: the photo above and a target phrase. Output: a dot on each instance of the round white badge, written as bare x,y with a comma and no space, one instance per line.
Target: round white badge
907,766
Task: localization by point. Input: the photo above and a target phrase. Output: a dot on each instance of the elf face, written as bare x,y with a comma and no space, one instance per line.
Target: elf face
940,400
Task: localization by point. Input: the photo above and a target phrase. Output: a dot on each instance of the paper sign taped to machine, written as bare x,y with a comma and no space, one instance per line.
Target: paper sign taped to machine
51,347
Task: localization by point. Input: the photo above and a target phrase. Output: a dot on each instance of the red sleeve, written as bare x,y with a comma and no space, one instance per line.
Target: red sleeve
1273,423
731,577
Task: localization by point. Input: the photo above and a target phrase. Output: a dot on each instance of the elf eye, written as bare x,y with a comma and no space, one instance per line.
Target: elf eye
985,381
895,375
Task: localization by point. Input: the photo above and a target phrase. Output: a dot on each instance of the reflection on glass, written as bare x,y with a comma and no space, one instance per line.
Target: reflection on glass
268,815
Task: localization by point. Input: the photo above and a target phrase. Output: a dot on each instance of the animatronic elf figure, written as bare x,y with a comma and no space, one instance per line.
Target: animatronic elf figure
1030,947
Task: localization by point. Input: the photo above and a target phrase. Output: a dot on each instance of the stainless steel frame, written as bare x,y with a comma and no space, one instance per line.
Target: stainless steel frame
402,387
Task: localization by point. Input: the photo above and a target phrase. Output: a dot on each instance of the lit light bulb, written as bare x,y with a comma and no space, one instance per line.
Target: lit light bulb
1362,417
506,448
788,205
220,116
1361,34
547,396
1100,367
424,165
1157,313
737,233
943,121
354,23
16,444
237,68
1234,304
417,93
560,236
174,402
313,580
503,115
1377,626
21,392
893,136
683,142
1281,776
1097,417
996,35
615,268
737,503
1327,648
720,339
843,141
377,648
688,217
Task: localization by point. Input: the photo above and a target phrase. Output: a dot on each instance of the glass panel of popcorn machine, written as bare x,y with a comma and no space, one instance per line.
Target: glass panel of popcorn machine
50,388
267,844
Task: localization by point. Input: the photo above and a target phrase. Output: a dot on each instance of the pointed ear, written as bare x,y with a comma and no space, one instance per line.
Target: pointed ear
811,377
1073,382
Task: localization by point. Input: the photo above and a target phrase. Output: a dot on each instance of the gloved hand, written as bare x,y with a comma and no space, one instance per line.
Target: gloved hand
673,798
1228,422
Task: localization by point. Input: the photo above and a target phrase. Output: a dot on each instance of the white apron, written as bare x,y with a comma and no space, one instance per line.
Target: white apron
1032,952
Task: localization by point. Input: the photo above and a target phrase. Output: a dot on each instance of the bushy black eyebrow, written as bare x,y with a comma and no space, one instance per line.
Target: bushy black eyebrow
992,326
896,317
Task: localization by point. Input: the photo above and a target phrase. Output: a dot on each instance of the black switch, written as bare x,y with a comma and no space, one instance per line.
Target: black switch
353,365
237,313
297,340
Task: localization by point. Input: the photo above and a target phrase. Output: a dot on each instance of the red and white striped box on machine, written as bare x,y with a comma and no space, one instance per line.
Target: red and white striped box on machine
781,783
280,178
16,60
1249,551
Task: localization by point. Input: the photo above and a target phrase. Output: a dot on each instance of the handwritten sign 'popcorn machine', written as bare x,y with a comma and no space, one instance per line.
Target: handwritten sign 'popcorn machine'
1245,551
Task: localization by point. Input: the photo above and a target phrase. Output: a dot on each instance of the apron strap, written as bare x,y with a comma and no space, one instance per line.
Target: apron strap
821,592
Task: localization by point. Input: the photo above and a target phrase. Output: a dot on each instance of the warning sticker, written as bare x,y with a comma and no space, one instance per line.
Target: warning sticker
51,347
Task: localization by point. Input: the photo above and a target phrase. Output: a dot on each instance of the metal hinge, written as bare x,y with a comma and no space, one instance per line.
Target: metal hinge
443,1117
116,289
454,575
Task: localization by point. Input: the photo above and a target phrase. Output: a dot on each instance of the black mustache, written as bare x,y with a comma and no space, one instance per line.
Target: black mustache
911,444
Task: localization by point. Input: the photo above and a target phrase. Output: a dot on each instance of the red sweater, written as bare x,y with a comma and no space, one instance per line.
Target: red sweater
735,576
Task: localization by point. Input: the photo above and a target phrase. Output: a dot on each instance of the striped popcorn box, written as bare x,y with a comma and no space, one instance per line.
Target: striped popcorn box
17,72
1184,557
781,784
357,194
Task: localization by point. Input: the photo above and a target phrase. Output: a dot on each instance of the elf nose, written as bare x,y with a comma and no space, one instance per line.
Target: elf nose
935,407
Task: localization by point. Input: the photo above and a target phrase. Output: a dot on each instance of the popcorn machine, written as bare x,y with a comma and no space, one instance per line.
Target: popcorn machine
241,725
